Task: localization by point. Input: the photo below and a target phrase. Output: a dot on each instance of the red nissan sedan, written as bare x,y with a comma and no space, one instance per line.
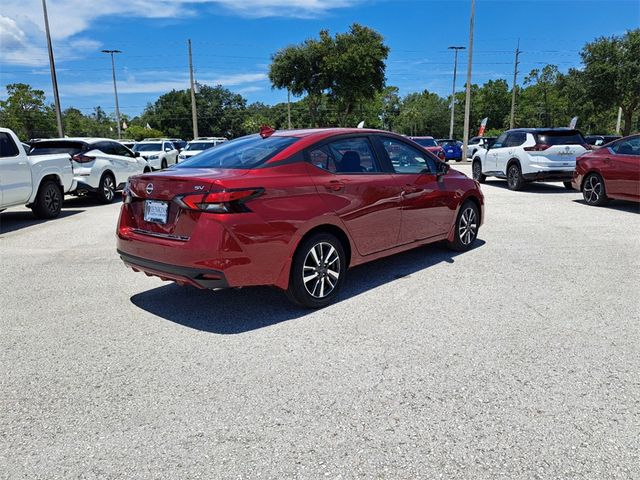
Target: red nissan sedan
612,171
294,209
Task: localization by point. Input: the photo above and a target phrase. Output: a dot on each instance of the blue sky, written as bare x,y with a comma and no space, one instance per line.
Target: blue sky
234,39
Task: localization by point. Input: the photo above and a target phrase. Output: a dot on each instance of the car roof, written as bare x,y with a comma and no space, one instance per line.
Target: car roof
538,129
424,137
77,139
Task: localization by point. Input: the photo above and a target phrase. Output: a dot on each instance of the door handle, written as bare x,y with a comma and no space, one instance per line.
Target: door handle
409,189
22,163
334,185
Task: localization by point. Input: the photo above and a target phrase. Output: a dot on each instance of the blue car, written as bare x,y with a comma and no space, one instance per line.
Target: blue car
452,149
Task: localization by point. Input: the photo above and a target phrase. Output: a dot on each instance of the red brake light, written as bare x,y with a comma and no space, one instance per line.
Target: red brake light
81,158
537,148
223,201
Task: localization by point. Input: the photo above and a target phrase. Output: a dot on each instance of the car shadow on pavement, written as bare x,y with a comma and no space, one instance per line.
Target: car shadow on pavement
88,201
620,205
534,187
11,221
235,311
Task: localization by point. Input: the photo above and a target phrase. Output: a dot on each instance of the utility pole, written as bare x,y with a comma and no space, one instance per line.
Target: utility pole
115,87
467,103
512,122
194,110
453,91
52,65
289,108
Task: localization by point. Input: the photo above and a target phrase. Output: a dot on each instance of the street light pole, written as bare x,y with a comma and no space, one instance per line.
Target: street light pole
467,103
52,65
194,109
453,91
115,87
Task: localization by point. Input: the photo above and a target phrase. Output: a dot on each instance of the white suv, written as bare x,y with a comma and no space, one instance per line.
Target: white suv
200,144
100,165
159,153
529,154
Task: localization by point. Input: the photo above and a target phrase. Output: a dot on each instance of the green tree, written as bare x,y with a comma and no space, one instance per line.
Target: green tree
137,132
25,112
612,72
337,74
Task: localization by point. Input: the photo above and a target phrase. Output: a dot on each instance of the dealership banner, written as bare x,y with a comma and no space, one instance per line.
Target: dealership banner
483,125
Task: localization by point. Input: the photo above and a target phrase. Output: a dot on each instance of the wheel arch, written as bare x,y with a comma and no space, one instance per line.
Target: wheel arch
589,172
282,280
49,176
510,162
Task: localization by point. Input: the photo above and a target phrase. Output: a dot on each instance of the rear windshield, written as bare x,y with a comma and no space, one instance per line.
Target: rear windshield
60,146
426,142
570,137
448,142
244,152
147,147
199,145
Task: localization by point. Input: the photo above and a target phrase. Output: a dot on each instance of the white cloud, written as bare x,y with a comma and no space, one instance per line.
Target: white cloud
134,84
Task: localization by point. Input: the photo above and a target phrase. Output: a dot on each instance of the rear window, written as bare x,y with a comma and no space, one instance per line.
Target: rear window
425,142
448,142
59,146
199,145
147,147
570,137
244,152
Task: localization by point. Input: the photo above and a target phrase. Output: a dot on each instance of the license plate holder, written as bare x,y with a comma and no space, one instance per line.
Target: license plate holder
156,211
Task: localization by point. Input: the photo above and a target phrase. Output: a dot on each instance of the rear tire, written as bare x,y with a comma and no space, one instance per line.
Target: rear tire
568,185
593,190
476,169
467,226
48,203
515,181
317,272
106,188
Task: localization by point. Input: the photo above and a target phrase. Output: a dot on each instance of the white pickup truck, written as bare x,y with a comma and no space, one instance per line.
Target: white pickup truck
39,182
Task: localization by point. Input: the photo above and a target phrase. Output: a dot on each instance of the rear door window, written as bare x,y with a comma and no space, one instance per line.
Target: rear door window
515,139
8,147
348,155
569,137
57,146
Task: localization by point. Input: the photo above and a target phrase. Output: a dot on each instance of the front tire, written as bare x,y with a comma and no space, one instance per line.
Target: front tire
476,170
48,203
593,190
467,226
317,272
514,177
163,165
106,188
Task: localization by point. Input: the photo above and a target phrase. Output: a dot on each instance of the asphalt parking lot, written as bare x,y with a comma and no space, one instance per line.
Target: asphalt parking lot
518,359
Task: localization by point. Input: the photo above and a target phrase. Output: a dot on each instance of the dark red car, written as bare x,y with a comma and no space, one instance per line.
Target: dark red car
612,171
431,145
294,209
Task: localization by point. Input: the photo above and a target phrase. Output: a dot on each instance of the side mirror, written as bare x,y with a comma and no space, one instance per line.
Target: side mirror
167,149
136,154
442,169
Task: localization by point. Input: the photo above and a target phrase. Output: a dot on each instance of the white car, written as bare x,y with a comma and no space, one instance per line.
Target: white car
476,143
159,153
529,154
100,165
200,145
39,182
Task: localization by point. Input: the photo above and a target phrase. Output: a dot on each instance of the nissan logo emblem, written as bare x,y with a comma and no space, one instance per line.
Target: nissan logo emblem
149,188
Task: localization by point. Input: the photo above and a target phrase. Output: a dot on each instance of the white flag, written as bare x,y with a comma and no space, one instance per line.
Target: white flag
111,129
124,125
148,127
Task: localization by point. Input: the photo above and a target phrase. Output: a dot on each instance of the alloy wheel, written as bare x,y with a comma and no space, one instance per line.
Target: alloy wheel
468,226
592,190
321,270
52,199
108,188
477,170
513,176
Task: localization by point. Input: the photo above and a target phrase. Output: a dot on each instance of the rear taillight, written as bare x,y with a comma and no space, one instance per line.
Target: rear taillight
223,201
537,148
82,158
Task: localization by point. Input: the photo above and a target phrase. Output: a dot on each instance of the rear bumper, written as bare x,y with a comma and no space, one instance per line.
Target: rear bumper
199,278
550,175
